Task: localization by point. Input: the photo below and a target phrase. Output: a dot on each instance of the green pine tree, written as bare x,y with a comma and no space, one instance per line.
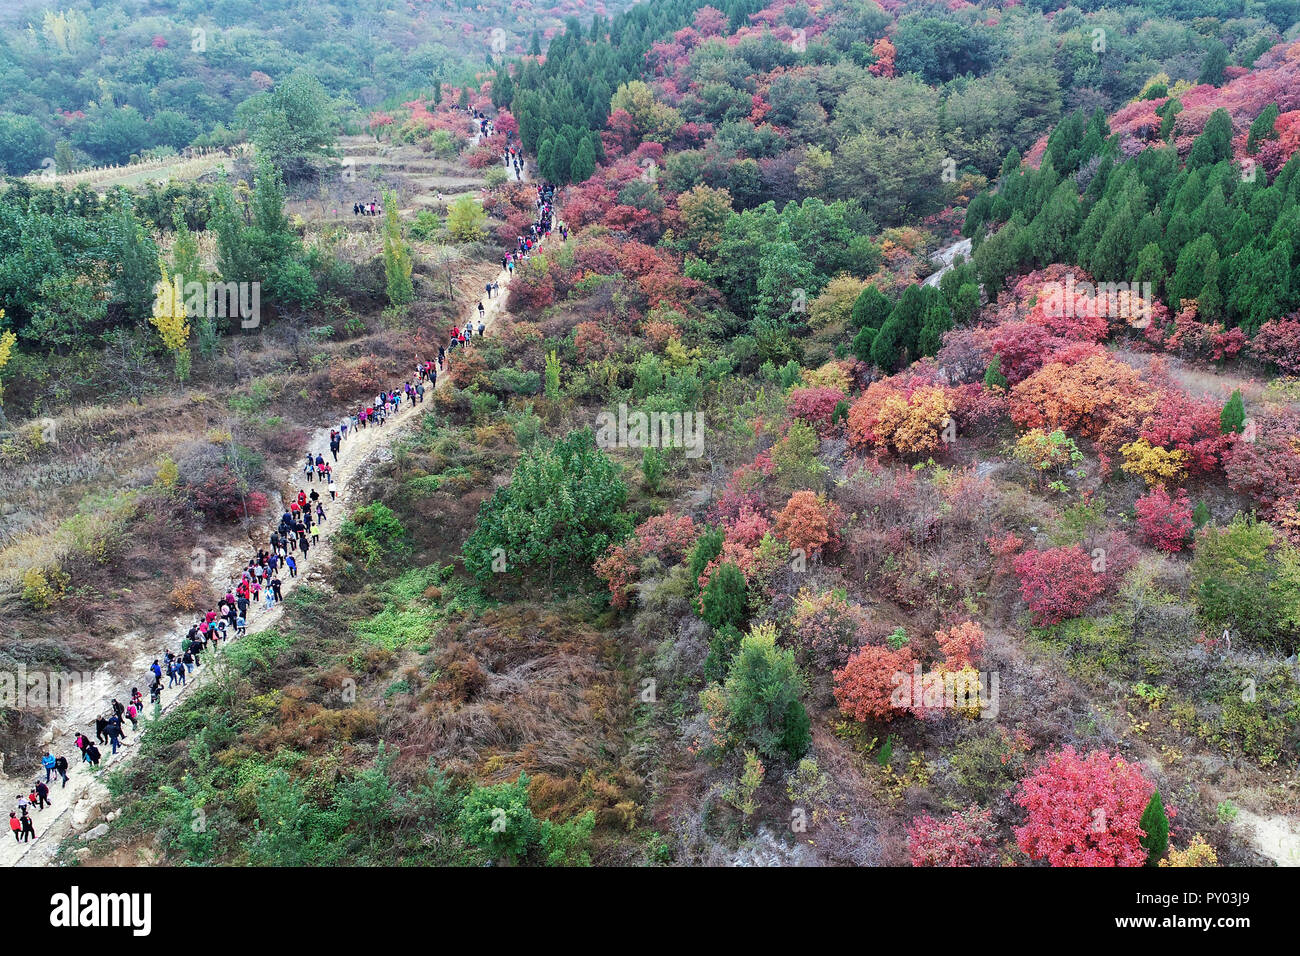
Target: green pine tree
993,377
1233,417
1155,824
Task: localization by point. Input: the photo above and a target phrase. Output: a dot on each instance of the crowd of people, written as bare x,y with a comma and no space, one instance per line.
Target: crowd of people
260,582
541,227
371,208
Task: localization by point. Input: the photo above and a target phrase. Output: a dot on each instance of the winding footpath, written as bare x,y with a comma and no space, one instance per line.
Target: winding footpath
82,800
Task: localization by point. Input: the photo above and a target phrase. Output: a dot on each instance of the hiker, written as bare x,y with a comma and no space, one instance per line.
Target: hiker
292,565
16,826
100,725
42,796
48,763
92,755
29,832
61,765
114,731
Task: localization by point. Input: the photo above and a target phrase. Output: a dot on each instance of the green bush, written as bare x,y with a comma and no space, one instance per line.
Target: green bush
562,509
725,598
761,698
373,533
516,381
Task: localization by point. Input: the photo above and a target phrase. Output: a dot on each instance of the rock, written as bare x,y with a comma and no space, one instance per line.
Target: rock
96,833
1211,765
80,814
83,852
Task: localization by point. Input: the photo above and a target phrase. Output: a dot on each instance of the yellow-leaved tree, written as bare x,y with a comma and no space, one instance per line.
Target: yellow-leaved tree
7,342
169,319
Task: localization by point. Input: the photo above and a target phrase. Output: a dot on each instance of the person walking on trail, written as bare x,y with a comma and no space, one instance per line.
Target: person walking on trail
16,826
480,309
48,763
115,732
100,725
92,755
42,796
61,765
29,832
292,565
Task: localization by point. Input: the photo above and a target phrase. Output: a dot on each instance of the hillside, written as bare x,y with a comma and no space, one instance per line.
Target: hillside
885,449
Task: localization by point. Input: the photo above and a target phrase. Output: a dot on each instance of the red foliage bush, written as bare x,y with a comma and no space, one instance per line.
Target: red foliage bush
665,536
961,645
591,341
968,838
865,687
1022,348
1058,583
1181,423
1165,522
531,290
1084,811
1265,462
814,405
1277,343
809,523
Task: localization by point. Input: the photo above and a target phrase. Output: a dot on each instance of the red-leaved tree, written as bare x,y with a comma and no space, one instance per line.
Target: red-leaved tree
1084,811
865,686
1059,583
968,838
1165,521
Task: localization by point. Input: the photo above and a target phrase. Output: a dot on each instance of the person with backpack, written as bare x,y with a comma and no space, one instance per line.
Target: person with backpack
114,731
92,755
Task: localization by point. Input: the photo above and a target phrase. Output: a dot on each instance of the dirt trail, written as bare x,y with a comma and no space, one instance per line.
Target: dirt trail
77,804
